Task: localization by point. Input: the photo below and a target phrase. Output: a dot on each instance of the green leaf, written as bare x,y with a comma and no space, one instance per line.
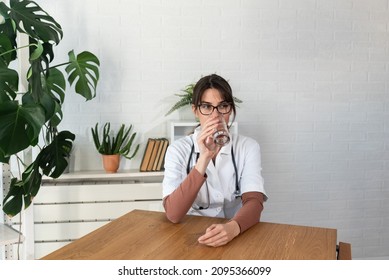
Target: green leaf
127,148
56,84
9,80
50,97
13,201
32,180
19,126
237,100
3,158
35,81
46,102
6,49
96,137
57,117
186,99
4,10
179,104
118,141
37,52
22,190
8,37
53,158
83,70
33,20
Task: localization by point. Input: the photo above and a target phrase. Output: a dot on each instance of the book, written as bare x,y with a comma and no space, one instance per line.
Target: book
147,154
153,155
161,158
158,155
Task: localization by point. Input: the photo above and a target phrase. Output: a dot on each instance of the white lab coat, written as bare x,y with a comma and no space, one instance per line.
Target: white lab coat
221,200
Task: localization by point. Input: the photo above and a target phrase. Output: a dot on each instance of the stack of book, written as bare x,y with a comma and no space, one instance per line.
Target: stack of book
154,155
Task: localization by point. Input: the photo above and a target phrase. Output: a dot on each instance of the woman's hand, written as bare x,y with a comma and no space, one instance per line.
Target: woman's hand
205,139
220,234
208,149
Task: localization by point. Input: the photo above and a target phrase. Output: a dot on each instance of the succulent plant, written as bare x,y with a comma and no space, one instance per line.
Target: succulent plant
121,143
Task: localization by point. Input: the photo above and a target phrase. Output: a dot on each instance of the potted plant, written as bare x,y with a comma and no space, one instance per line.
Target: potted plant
37,111
112,146
186,99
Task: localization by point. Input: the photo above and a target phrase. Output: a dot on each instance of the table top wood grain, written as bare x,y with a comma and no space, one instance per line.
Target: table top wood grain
148,235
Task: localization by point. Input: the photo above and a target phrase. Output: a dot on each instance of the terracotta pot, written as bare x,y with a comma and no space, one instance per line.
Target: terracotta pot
111,163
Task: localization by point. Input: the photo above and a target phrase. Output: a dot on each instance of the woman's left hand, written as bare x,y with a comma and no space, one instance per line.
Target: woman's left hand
220,234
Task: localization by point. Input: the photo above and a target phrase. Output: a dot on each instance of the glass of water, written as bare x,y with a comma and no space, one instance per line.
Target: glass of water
221,136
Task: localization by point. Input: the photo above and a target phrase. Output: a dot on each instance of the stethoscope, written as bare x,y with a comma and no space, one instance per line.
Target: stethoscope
236,193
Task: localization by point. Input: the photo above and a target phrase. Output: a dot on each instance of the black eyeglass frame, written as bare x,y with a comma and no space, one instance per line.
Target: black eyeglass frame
215,107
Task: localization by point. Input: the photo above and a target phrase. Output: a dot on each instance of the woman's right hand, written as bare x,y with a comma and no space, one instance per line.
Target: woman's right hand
208,148
205,138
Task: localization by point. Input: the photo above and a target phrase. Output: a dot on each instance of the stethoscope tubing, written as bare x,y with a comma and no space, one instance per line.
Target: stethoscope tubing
237,187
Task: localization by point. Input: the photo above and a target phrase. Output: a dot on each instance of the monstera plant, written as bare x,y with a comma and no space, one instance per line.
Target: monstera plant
31,118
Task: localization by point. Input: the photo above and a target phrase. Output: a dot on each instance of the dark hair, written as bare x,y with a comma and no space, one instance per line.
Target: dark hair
216,82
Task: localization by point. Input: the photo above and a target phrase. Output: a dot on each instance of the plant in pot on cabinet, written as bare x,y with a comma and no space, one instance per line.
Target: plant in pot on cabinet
112,147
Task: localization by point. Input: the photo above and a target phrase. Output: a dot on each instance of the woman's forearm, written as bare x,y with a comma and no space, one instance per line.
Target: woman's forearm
250,213
179,202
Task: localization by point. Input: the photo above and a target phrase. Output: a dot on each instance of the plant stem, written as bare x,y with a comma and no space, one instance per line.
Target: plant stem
58,65
14,50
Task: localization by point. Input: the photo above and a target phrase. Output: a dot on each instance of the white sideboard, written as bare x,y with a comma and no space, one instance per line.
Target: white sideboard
77,203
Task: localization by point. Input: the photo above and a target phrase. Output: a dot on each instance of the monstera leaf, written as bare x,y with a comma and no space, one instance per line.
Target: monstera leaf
84,69
55,86
51,96
52,159
32,180
13,201
5,47
19,126
23,190
7,37
8,83
31,19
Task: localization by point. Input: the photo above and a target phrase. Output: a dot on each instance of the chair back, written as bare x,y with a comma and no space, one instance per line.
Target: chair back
343,251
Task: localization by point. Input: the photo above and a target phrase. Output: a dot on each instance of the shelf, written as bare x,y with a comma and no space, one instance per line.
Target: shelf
101,175
9,236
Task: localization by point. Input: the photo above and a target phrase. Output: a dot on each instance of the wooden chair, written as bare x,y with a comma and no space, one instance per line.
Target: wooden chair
343,251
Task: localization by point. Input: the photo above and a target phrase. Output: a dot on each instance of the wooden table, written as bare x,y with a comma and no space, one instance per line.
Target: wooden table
146,235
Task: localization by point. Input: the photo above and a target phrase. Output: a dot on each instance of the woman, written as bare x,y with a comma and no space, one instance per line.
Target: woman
203,178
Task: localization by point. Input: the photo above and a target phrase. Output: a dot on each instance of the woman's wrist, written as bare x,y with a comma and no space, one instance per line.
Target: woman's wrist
201,164
235,227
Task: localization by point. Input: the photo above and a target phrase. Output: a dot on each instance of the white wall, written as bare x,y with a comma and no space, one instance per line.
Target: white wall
313,75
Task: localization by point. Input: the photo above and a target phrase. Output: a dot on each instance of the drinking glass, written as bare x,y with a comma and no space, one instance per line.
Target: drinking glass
221,136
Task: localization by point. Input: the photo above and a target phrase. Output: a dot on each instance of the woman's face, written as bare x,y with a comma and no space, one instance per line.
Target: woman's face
212,97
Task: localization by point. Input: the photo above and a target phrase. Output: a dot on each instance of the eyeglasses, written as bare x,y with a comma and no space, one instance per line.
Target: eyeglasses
207,109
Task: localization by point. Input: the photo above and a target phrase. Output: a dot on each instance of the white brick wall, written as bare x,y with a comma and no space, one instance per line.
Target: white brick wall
313,75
